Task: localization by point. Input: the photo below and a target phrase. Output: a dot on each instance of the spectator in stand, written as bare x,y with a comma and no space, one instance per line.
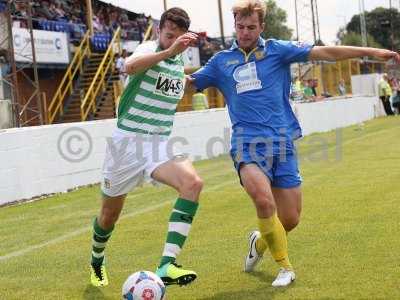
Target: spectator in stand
98,23
296,90
297,83
20,9
313,86
58,11
20,12
78,11
123,17
43,11
114,20
120,66
63,3
342,87
106,18
395,99
78,31
385,92
307,90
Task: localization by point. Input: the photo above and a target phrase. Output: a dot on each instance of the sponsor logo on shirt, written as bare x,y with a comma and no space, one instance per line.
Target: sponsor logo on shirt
232,62
246,78
169,86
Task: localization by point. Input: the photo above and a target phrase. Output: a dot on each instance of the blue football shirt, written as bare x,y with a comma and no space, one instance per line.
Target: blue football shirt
256,87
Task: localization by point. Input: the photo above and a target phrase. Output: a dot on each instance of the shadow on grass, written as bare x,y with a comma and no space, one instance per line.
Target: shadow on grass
262,276
263,293
93,293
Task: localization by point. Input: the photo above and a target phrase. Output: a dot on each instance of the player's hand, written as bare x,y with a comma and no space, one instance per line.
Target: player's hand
189,86
182,43
387,55
189,79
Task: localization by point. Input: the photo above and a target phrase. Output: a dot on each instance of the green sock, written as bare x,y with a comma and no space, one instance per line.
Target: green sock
178,229
100,238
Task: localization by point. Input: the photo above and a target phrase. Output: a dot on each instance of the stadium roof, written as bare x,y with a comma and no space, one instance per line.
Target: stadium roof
148,7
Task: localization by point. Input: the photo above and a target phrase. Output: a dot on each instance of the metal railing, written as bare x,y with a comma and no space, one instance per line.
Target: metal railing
65,88
149,30
99,83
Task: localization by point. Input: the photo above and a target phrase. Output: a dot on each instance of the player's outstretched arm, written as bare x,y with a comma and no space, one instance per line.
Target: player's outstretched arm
345,52
138,63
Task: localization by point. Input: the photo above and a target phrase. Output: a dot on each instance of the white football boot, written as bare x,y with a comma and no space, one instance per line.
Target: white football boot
284,278
252,258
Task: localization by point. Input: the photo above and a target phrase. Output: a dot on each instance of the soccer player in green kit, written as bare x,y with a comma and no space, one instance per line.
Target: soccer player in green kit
146,112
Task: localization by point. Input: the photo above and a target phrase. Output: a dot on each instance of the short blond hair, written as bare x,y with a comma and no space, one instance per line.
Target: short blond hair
245,8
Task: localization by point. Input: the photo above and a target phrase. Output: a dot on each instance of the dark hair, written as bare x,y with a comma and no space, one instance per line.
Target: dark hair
177,16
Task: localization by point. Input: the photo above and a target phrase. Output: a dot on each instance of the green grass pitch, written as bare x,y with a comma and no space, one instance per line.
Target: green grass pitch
346,246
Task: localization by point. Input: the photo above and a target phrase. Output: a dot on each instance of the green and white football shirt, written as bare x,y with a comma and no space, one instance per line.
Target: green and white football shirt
149,101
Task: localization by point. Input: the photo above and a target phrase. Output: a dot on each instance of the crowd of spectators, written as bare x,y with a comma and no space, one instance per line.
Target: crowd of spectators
57,15
70,16
107,18
305,90
389,93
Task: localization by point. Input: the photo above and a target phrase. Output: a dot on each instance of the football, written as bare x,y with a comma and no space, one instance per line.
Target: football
143,285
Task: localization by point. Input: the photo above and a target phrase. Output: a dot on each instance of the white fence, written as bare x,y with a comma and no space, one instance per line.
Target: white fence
38,161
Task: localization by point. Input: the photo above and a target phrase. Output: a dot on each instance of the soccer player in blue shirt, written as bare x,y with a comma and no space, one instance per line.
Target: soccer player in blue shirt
254,77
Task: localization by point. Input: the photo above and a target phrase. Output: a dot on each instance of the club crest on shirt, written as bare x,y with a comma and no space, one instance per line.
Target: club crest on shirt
169,86
247,78
259,55
107,183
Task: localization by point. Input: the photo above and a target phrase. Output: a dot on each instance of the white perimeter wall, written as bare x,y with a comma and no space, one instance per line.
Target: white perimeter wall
32,165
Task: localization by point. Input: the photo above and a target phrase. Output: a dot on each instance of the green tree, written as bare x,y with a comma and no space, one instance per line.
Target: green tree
275,22
378,22
354,39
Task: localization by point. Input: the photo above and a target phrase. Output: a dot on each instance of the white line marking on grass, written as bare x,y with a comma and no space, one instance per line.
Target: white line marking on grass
76,232
89,228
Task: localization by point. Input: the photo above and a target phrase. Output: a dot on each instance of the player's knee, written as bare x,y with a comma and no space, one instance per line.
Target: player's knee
291,222
267,207
192,183
264,203
108,218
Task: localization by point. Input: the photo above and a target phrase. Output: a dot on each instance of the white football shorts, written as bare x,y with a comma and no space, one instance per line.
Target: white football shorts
130,160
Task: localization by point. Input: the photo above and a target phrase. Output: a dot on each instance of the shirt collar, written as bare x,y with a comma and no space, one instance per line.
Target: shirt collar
260,43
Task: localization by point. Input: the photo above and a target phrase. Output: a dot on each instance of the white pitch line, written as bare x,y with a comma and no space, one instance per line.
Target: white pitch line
76,232
89,228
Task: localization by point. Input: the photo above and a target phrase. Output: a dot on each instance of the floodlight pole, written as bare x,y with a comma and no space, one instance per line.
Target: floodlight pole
363,23
317,17
391,25
297,20
221,23
34,65
13,77
297,34
89,16
314,22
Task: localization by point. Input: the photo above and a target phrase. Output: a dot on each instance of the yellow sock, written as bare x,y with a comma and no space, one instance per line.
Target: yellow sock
261,246
274,236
